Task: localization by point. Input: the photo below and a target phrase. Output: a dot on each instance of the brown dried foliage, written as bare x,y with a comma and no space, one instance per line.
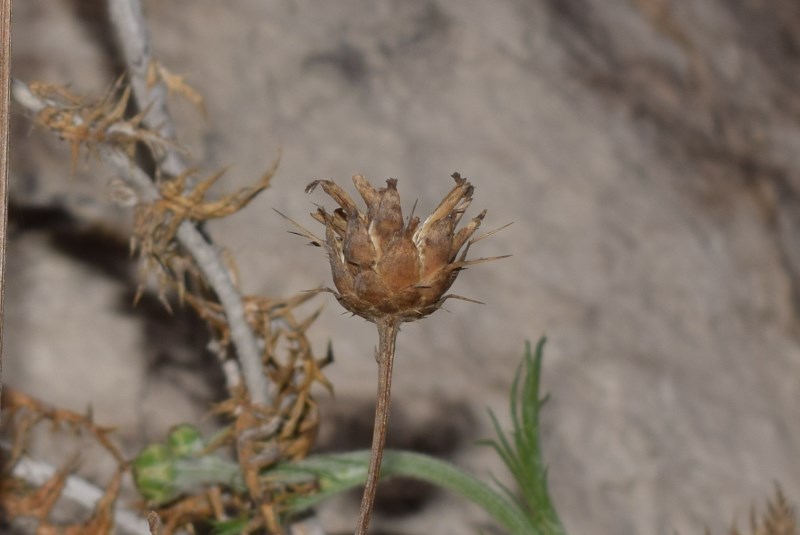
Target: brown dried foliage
18,499
175,84
86,122
156,224
261,435
258,435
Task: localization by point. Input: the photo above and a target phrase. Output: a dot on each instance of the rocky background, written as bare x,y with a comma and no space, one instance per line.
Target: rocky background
648,153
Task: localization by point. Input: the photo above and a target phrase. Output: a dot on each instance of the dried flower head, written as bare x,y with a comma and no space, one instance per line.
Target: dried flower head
388,271
385,266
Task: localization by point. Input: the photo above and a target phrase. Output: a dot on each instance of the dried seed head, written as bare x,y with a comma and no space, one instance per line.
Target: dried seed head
383,266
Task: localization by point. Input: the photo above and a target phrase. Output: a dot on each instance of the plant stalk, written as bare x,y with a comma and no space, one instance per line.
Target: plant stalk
5,69
387,337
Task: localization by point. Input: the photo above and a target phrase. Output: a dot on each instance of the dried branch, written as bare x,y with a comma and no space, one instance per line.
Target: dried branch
205,254
287,382
278,388
30,489
150,93
78,490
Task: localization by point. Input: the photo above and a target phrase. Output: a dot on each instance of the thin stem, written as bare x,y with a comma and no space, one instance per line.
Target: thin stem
216,273
387,338
127,16
5,66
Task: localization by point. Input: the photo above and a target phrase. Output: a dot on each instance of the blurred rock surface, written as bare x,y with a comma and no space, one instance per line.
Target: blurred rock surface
648,153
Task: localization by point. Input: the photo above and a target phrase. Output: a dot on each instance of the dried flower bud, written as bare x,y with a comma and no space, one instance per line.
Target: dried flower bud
383,266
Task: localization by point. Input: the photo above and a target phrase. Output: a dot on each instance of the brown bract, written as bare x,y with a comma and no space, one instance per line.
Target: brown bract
385,266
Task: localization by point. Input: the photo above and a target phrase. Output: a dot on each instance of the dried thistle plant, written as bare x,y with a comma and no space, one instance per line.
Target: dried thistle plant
390,271
264,430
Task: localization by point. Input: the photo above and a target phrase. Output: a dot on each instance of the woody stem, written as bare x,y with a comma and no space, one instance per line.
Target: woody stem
387,337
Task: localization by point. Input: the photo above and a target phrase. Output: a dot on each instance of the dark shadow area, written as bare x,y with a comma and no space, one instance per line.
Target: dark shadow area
441,432
175,341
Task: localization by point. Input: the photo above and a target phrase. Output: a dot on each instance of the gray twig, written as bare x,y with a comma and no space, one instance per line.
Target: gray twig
128,19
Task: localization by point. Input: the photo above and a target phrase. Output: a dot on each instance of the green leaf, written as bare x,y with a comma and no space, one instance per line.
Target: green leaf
162,472
341,472
521,451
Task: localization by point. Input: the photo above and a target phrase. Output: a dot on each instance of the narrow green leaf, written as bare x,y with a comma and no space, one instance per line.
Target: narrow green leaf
521,450
341,472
